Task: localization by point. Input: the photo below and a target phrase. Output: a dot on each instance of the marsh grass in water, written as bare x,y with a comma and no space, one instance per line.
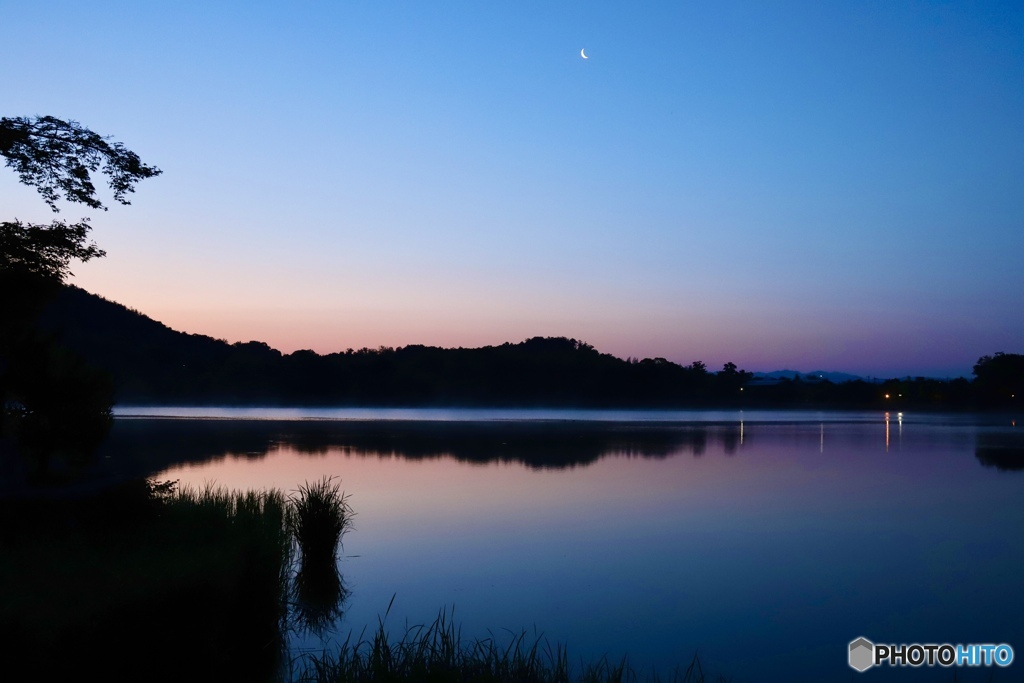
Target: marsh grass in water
438,653
319,516
146,582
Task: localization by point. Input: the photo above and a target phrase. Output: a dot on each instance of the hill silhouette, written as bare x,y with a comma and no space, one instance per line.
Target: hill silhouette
153,364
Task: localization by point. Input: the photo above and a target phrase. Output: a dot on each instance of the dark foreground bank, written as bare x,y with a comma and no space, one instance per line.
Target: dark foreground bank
145,582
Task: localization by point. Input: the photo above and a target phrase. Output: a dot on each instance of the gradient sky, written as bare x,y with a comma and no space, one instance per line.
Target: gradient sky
812,185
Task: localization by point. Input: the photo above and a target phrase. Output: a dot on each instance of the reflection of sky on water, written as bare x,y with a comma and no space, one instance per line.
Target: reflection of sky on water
764,543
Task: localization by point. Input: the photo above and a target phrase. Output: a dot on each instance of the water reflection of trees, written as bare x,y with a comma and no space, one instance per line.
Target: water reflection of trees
147,446
1004,451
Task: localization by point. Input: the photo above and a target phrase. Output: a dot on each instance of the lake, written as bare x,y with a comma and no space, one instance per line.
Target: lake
765,541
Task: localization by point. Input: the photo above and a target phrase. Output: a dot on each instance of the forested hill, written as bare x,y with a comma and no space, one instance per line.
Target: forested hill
153,364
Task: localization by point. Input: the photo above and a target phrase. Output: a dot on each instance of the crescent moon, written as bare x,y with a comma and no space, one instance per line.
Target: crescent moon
584,54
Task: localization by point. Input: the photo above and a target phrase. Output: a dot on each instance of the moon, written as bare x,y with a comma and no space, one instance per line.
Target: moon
584,54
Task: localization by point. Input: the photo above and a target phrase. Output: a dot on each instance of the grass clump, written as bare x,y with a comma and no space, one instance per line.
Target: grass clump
438,653
319,516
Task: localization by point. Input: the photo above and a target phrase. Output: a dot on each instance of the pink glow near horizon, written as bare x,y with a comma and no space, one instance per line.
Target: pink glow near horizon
828,190
761,349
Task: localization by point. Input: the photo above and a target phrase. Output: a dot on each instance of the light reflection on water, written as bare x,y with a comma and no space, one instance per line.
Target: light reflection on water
765,542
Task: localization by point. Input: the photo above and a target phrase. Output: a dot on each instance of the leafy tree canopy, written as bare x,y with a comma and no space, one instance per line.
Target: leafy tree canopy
59,157
44,250
51,401
1000,376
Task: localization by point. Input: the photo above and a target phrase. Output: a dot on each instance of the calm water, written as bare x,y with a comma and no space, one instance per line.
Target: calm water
765,541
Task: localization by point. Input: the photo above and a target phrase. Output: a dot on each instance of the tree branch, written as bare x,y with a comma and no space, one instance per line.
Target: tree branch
58,157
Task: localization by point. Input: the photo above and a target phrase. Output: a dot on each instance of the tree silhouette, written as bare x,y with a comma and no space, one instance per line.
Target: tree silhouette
59,157
45,250
999,378
51,401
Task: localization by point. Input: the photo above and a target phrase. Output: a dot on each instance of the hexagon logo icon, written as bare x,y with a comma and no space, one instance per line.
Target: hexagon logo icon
862,654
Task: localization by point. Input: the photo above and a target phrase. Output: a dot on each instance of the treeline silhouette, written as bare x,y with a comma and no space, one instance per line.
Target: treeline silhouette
153,364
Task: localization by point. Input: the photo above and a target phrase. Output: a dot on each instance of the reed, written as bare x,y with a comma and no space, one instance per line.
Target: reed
438,653
145,582
319,515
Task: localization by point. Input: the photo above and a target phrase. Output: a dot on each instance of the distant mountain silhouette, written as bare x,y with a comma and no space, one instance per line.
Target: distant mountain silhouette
834,377
151,363
146,357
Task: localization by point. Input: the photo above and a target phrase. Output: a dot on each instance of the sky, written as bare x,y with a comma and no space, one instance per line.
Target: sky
807,185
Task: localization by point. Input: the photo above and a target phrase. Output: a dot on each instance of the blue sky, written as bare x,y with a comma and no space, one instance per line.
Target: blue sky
815,185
